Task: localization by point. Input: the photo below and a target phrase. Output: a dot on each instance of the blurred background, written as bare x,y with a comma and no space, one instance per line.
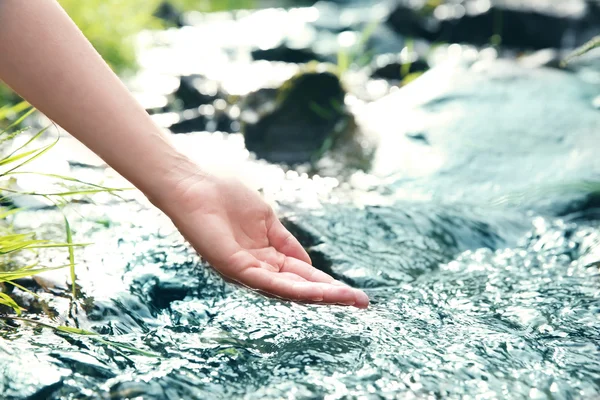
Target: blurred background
227,65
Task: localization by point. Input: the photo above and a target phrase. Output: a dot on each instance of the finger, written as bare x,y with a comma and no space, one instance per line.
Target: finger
285,242
307,271
271,282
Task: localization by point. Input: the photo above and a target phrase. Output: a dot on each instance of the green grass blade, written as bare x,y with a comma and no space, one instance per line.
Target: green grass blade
41,151
17,157
70,179
76,331
9,213
23,288
57,245
18,121
8,301
61,194
126,347
71,257
13,109
20,274
92,335
578,52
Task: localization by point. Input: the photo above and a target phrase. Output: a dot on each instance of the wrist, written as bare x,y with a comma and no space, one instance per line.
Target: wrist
173,181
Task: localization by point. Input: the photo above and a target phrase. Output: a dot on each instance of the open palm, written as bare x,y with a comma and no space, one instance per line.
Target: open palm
237,232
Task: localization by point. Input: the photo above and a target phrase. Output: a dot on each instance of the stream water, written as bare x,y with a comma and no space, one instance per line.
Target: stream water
474,230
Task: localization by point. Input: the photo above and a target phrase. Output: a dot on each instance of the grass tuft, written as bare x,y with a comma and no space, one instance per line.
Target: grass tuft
14,243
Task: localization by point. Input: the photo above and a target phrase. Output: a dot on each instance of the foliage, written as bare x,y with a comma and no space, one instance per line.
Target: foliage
11,166
110,25
213,5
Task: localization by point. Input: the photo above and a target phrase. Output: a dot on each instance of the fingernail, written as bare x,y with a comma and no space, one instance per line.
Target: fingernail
362,300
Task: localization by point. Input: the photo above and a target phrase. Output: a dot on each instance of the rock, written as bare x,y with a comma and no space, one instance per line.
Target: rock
407,20
395,68
205,118
308,113
166,292
130,390
517,24
197,123
194,91
285,53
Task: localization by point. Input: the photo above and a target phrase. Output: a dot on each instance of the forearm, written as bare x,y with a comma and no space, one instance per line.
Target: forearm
46,59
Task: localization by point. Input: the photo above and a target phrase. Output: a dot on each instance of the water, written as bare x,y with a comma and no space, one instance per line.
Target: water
518,321
472,232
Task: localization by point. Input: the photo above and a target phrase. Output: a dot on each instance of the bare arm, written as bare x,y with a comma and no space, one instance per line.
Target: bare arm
47,60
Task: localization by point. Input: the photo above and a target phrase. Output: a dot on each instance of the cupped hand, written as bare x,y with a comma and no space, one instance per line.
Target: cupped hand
237,232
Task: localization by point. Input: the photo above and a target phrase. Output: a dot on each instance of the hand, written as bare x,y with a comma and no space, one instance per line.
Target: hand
237,232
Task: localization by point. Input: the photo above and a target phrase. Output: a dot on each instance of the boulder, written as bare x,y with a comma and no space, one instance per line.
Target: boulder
194,91
308,114
395,68
287,54
517,24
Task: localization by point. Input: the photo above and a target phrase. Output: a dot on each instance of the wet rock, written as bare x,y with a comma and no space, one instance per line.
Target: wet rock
195,123
285,53
194,91
408,20
396,68
166,292
130,390
516,24
205,118
309,111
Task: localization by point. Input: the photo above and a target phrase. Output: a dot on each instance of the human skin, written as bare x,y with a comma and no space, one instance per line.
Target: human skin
46,59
